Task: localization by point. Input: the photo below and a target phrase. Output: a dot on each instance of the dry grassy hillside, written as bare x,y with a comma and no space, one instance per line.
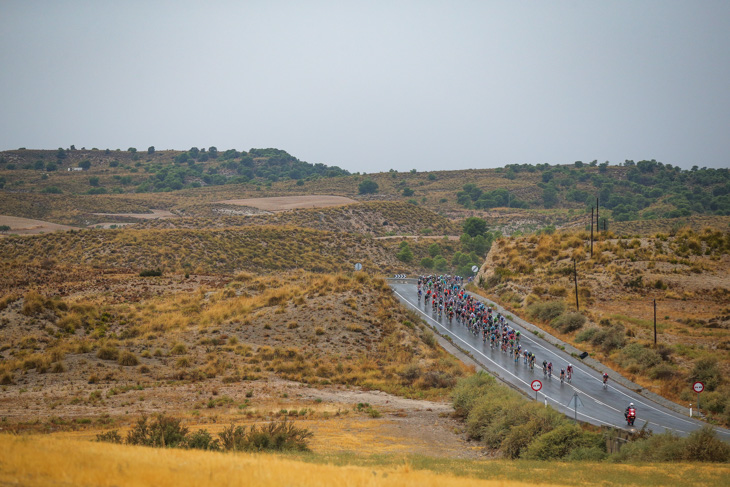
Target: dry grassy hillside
254,248
686,274
374,218
80,355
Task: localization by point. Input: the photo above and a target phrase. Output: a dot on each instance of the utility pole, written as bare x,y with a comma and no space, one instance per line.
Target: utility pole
575,278
592,228
655,323
598,227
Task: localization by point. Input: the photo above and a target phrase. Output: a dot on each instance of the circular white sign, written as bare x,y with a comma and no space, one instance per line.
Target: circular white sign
358,266
474,268
698,387
536,385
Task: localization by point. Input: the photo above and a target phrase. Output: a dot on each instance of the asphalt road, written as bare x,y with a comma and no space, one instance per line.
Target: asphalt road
597,405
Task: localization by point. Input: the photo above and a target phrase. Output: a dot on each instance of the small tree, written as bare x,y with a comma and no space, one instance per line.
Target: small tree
434,250
85,164
151,150
475,226
405,254
94,181
4,228
407,192
132,150
368,187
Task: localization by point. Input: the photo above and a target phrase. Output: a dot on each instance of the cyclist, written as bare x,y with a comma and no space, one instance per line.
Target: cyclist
605,380
562,375
544,368
550,370
570,372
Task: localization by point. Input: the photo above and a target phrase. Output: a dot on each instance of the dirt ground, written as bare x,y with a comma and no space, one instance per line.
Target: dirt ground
283,203
26,226
155,215
405,426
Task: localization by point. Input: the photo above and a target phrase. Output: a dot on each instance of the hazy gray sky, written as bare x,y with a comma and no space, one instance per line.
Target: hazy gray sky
373,85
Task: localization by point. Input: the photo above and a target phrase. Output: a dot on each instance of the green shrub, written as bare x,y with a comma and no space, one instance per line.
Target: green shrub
108,352
703,446
429,339
368,186
150,273
518,438
607,338
469,389
278,436
202,440
411,373
569,322
637,354
665,447
546,311
662,371
164,432
112,436
707,371
587,454
128,358
559,442
437,379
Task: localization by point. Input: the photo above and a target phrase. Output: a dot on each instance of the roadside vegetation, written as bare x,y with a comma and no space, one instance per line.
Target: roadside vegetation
503,420
685,272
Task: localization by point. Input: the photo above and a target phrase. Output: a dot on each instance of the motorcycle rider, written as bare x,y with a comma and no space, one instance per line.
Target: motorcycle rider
630,410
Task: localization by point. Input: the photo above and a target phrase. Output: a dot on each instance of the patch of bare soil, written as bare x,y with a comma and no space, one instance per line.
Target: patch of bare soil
26,226
338,416
283,203
155,215
451,238
108,225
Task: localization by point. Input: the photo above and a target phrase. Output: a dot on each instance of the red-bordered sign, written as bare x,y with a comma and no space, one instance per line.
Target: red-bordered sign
536,385
698,387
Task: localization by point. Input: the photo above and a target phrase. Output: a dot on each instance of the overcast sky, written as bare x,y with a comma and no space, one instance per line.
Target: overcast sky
373,85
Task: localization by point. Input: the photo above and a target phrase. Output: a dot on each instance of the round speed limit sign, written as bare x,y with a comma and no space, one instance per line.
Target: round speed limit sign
536,385
698,387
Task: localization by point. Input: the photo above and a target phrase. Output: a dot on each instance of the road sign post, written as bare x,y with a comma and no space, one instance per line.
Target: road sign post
698,387
574,403
536,386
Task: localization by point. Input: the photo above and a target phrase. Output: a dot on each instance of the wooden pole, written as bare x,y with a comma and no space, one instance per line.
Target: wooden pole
592,229
655,323
575,278
598,228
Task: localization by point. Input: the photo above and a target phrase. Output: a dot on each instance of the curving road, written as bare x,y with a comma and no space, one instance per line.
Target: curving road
599,406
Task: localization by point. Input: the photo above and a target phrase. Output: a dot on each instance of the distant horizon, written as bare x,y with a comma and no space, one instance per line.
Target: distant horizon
220,149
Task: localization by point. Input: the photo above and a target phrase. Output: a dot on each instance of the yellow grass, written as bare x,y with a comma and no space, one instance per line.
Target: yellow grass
42,461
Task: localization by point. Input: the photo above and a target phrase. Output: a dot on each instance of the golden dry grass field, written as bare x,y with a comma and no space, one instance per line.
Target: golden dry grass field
44,461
